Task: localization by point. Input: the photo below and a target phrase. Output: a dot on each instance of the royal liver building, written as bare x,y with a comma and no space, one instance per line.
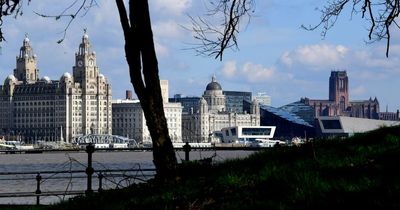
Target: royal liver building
33,108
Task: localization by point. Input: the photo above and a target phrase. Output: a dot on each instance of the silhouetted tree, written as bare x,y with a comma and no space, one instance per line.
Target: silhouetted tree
143,69
381,14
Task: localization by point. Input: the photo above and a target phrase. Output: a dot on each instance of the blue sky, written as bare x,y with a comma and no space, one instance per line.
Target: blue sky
275,55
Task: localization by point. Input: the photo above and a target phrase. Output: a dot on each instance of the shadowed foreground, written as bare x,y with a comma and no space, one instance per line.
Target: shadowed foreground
361,172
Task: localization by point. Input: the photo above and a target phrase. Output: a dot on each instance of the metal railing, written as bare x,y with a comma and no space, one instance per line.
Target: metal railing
106,179
113,177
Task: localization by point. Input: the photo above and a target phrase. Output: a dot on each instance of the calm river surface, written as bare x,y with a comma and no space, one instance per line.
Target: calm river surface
59,161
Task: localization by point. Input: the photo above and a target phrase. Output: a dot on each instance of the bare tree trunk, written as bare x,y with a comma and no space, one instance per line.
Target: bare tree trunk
139,49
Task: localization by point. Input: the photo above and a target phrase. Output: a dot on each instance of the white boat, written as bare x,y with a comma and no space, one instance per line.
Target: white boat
119,145
15,145
266,143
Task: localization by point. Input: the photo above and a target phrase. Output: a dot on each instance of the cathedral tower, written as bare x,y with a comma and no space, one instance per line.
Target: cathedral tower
339,89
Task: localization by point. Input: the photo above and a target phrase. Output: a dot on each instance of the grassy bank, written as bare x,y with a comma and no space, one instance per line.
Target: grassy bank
362,172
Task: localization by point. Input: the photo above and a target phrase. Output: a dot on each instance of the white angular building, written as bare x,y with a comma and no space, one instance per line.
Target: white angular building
212,116
34,109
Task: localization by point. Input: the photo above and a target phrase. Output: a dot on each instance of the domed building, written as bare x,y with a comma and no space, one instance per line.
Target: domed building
214,96
213,115
36,109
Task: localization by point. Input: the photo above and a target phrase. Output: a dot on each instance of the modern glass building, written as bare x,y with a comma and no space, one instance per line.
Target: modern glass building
190,104
234,100
302,110
288,125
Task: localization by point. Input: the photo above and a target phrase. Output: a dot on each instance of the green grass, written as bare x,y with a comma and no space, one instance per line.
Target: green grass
361,172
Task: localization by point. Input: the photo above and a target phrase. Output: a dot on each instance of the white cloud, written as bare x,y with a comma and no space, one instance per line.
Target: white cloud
173,7
249,72
167,29
229,70
316,56
108,7
161,49
256,72
360,90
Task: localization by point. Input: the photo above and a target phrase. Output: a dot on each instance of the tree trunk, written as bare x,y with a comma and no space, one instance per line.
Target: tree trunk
139,49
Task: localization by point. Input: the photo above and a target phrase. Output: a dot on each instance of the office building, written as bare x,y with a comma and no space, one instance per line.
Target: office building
40,109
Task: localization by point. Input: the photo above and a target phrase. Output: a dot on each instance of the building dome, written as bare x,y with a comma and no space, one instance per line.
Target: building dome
46,79
65,77
213,85
66,74
9,79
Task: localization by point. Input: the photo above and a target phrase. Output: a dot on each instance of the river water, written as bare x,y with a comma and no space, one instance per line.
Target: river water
61,161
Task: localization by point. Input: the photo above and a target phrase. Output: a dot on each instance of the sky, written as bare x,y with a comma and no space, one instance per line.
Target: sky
275,56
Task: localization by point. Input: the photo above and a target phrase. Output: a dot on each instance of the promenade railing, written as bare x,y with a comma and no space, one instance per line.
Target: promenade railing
66,183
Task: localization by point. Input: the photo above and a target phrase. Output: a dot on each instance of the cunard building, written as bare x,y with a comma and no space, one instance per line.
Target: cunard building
34,108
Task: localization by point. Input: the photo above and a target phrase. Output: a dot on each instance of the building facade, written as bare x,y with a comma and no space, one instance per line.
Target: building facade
190,104
212,116
234,100
129,121
339,103
37,109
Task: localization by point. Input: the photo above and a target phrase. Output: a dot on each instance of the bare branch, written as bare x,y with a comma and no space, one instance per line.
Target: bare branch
381,14
9,8
71,12
212,39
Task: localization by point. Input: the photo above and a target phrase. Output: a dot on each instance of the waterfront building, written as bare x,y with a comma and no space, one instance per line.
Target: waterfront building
212,116
190,104
129,121
302,110
234,100
342,126
35,108
288,125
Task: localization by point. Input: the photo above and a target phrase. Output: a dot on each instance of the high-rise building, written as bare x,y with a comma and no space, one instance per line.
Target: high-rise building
234,100
190,104
55,110
164,90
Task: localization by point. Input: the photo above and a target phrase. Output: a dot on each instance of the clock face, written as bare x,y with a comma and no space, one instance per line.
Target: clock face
80,63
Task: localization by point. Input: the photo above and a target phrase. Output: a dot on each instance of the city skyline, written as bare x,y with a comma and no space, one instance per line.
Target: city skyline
276,56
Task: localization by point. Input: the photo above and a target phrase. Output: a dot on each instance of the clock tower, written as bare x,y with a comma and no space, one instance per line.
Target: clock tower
26,70
95,95
85,69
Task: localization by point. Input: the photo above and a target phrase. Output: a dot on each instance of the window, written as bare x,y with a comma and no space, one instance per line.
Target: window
233,131
331,124
256,131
